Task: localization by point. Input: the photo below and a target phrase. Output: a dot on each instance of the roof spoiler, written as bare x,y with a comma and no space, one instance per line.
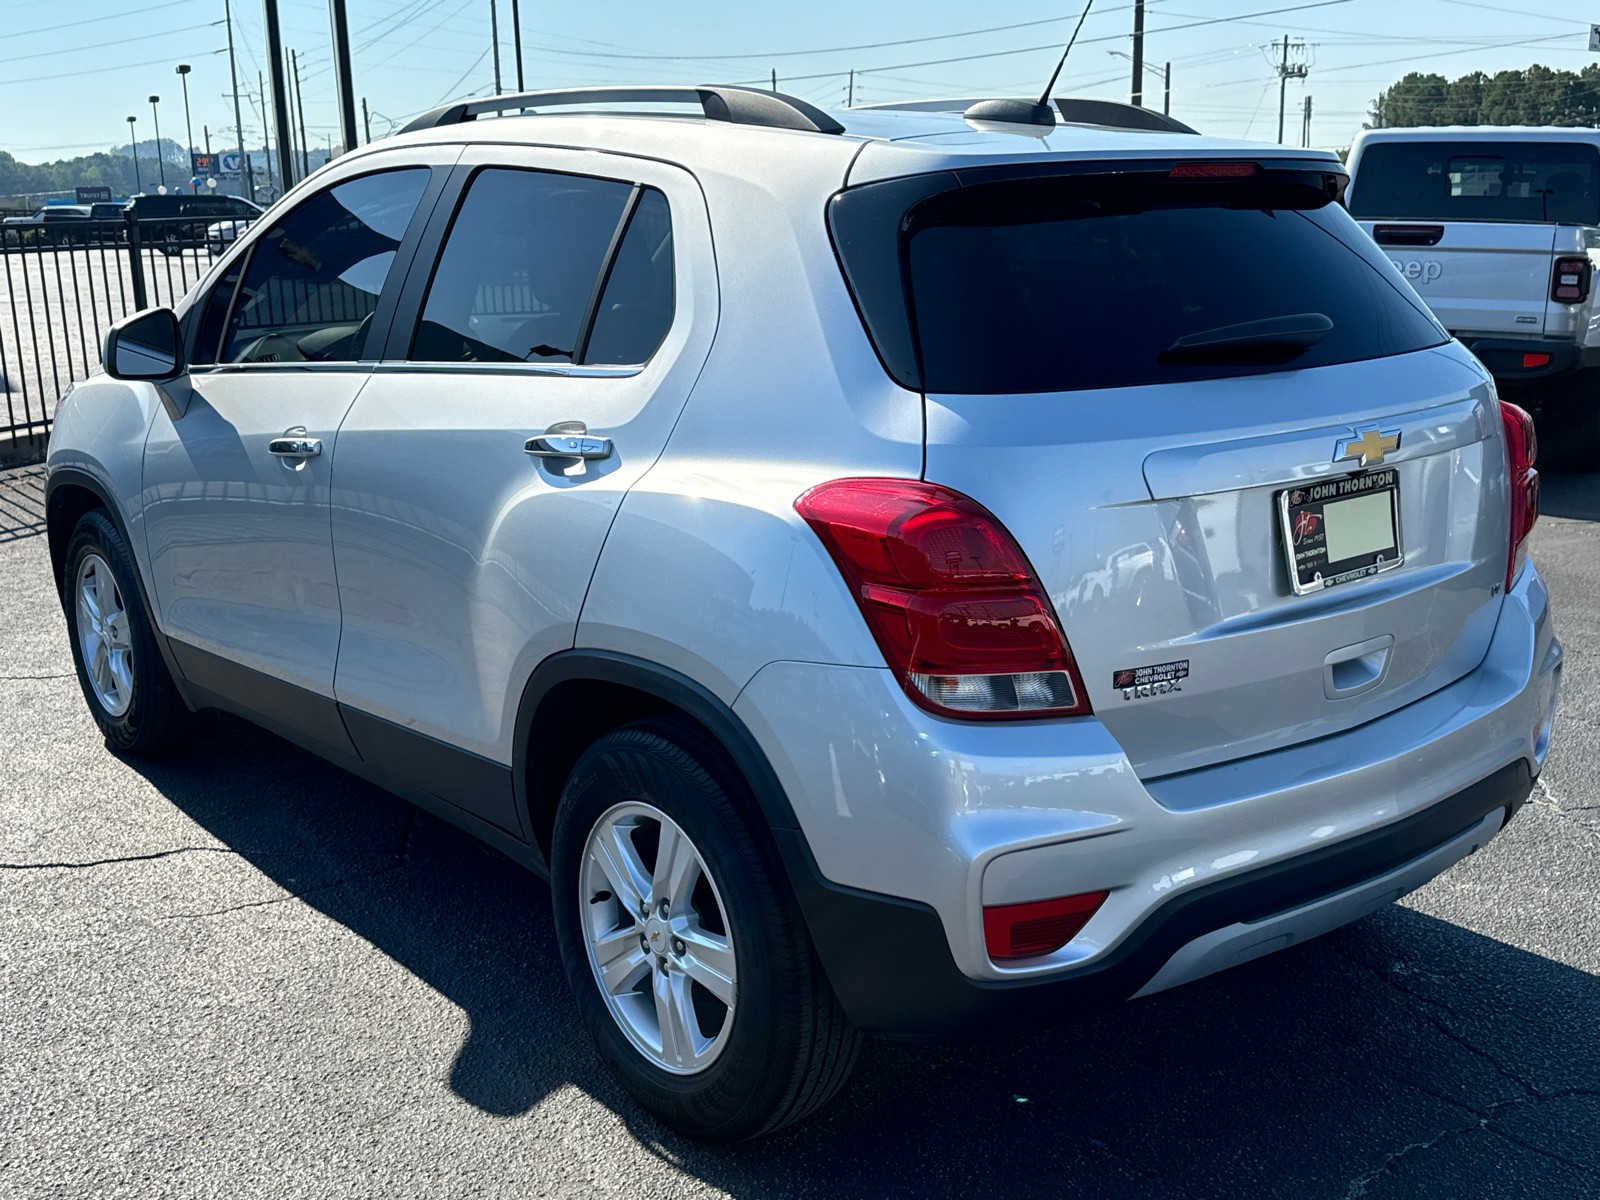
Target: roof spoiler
1074,110
719,102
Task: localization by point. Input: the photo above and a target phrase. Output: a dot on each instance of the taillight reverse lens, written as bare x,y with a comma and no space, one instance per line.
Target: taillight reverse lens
1038,927
1570,282
1522,449
949,597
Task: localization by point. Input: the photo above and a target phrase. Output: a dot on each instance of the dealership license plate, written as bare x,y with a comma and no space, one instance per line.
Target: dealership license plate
1339,530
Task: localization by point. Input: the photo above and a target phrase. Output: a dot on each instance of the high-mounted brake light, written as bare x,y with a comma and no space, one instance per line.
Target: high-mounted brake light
1522,449
1213,170
1570,282
1037,927
951,601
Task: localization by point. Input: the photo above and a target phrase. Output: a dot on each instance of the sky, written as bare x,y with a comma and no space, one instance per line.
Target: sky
68,85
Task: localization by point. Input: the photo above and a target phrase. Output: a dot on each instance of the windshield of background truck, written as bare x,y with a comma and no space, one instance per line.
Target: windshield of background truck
1547,182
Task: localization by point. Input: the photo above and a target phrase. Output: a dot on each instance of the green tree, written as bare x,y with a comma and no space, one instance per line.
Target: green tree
1536,96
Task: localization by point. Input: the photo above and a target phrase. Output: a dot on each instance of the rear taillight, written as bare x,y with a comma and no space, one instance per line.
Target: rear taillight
1522,448
949,597
1037,927
1570,282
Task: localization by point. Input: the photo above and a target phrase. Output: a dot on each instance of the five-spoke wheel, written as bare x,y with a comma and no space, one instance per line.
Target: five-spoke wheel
103,635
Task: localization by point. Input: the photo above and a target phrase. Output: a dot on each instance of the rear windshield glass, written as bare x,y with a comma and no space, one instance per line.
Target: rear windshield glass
1478,181
1091,281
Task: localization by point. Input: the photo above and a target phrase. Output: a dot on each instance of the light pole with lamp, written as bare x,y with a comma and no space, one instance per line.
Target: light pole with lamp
156,117
183,75
134,146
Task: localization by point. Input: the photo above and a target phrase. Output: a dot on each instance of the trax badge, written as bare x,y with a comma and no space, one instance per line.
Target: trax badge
1369,448
1138,682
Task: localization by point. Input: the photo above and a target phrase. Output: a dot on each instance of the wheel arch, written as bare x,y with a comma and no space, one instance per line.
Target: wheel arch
575,697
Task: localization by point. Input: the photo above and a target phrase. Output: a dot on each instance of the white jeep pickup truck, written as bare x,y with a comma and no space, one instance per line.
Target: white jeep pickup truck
1498,229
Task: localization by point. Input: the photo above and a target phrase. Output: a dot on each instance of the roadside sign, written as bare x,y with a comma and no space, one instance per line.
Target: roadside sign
1594,37
203,164
228,163
94,195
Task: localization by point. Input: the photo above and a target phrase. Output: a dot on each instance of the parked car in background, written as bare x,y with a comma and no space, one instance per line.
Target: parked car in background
222,234
693,508
1498,229
180,221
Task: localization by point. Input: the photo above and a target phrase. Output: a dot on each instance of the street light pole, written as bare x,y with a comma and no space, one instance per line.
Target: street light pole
134,145
280,104
160,167
516,37
247,179
343,87
494,43
188,126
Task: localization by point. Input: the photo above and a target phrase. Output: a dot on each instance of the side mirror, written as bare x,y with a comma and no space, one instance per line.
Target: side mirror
147,346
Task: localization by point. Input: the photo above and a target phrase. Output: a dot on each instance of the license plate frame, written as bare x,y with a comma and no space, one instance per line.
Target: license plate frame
1302,522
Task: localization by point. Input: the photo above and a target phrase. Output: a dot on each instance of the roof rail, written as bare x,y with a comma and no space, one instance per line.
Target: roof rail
1078,111
719,102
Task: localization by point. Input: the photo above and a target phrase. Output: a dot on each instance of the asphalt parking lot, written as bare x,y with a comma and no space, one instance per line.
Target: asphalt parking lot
241,972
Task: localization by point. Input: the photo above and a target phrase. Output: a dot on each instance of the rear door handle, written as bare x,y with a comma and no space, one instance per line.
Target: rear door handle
568,445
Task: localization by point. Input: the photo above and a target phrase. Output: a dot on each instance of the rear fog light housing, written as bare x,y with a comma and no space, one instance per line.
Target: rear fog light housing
950,599
1535,360
1522,449
1570,282
1013,931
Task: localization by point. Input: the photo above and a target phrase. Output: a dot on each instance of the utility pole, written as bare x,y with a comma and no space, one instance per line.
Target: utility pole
343,87
850,98
206,130
300,106
1305,127
516,40
1137,98
155,116
366,120
247,182
280,103
1286,72
188,126
774,81
134,141
1166,95
494,42
266,149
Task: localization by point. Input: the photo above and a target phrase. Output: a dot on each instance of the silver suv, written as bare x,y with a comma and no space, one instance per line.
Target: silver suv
894,572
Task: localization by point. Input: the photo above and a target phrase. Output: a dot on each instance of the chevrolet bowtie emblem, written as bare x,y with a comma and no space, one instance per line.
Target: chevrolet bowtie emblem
1369,448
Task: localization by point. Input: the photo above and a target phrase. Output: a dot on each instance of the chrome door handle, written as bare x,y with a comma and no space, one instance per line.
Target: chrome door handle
295,447
568,445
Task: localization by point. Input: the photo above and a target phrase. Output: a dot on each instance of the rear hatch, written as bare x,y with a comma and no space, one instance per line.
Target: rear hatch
1166,480
1472,223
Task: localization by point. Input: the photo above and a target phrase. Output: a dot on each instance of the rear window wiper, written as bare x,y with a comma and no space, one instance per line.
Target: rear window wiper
1276,339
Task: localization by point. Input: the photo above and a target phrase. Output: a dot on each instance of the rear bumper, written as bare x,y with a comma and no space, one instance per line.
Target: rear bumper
1504,357
908,825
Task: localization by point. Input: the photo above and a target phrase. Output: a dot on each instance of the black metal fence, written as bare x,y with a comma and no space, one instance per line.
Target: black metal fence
62,285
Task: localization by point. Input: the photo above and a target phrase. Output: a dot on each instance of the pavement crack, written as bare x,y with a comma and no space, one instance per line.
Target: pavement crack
11,678
129,858
232,908
1358,1185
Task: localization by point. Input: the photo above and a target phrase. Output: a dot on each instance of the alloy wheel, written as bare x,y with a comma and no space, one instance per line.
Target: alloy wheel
104,636
658,938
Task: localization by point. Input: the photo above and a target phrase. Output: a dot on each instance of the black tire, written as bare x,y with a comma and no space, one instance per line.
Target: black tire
155,718
1568,422
790,1047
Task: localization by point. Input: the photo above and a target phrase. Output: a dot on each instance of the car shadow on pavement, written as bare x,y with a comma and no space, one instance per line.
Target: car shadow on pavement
1402,1056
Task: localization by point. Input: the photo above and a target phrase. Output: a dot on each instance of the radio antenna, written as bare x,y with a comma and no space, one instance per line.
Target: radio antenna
1044,97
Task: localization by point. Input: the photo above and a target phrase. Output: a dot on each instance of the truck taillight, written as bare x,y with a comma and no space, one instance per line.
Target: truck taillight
1570,282
957,611
1522,448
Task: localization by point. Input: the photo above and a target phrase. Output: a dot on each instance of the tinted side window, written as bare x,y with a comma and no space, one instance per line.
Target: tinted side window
314,279
518,268
635,310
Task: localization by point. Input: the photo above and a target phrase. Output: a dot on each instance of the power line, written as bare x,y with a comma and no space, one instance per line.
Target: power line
98,20
144,37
